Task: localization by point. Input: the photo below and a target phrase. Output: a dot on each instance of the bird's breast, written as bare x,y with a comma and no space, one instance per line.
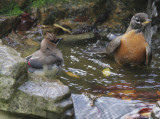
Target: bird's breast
132,48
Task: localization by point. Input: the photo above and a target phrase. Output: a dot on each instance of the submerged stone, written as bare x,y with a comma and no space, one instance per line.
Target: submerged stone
104,107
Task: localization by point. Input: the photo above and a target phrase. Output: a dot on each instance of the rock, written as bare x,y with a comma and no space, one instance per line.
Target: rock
6,115
13,71
48,99
78,37
156,111
7,24
11,64
1,42
38,97
104,107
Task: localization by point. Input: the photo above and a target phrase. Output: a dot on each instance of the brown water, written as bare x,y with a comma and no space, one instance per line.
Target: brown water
82,72
141,82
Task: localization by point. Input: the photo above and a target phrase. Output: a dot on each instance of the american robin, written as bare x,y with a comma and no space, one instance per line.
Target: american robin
131,47
48,54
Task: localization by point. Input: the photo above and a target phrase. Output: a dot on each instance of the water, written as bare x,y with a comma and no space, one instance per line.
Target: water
124,82
82,72
140,83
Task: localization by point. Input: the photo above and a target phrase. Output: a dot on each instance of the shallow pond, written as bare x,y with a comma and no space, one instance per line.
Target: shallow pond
82,72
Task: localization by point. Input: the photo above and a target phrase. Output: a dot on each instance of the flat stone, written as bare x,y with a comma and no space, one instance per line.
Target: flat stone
77,37
43,99
54,90
103,107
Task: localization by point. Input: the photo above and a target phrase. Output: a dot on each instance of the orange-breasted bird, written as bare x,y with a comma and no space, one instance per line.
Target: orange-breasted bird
132,47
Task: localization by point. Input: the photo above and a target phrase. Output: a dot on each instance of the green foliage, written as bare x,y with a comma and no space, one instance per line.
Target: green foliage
42,3
11,9
15,11
38,3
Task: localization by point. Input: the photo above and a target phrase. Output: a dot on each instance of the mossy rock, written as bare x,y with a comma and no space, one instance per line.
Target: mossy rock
13,72
48,99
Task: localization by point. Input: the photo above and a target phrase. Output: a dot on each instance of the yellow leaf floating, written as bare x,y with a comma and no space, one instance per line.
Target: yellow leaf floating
64,29
106,72
72,75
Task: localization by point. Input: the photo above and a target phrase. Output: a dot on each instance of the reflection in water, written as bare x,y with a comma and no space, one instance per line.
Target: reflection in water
124,82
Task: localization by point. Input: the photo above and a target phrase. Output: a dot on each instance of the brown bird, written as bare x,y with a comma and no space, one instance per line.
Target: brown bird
131,47
48,55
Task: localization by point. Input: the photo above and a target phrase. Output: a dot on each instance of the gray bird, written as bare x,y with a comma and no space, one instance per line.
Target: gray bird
48,55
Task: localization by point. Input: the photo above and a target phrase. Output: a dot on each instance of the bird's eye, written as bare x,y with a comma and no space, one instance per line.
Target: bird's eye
137,19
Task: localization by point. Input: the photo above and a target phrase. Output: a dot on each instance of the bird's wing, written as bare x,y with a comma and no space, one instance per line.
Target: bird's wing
35,62
148,55
113,45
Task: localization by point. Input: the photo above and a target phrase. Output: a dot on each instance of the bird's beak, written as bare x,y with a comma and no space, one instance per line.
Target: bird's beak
147,21
58,40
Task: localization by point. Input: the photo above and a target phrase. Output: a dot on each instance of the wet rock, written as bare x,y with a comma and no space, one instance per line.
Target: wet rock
25,42
156,111
113,15
7,24
78,37
103,107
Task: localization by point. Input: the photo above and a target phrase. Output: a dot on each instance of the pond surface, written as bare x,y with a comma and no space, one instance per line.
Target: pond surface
82,72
